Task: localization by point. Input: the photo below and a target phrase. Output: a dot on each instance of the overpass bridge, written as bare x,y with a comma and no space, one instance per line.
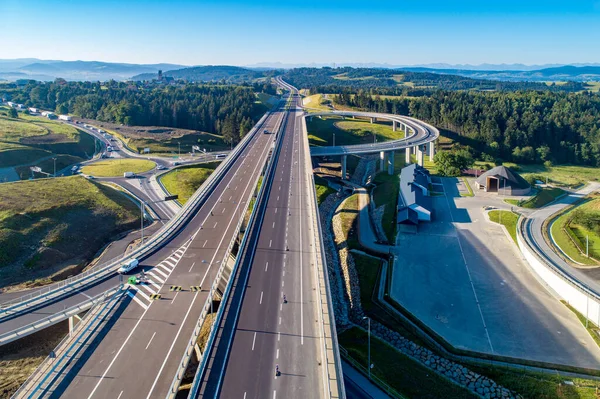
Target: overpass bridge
419,139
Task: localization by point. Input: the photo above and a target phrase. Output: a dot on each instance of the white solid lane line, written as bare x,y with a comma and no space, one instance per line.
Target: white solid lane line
191,267
254,340
119,397
150,340
266,266
261,295
177,293
203,245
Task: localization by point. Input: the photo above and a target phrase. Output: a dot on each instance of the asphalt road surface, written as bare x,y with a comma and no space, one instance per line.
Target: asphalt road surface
140,351
271,331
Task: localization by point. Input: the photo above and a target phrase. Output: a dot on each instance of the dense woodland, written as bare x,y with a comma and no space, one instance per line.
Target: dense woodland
399,82
522,126
223,109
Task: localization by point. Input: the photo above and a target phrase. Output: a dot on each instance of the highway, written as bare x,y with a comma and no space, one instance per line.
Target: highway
588,277
140,350
269,330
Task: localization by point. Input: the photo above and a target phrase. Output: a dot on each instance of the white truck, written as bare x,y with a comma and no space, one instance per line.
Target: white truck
128,175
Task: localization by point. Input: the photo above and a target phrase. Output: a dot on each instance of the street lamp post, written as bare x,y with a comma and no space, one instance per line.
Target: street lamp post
369,345
54,159
333,139
179,145
142,219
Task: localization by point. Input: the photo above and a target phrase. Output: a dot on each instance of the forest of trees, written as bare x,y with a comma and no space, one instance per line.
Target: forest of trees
522,126
399,82
223,109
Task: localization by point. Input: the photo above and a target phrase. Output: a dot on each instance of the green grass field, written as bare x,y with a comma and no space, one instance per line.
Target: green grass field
323,190
49,222
386,193
116,167
565,233
185,181
559,175
28,139
348,131
349,217
317,102
208,141
542,198
509,220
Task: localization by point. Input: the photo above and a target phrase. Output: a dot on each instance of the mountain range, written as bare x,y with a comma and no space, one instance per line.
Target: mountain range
47,70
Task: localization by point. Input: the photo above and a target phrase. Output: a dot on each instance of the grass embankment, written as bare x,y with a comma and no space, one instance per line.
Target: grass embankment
348,212
318,102
47,165
544,197
116,167
469,192
589,326
570,236
186,180
50,224
323,189
508,219
27,139
348,131
386,194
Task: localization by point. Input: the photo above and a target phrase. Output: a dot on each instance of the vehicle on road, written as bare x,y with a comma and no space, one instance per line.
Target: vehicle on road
127,267
128,175
220,156
266,131
161,167
109,149
176,163
91,177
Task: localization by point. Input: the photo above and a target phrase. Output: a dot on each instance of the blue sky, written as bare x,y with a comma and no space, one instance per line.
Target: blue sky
246,32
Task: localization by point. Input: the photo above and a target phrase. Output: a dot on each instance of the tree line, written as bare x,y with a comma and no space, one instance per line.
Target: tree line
521,126
229,110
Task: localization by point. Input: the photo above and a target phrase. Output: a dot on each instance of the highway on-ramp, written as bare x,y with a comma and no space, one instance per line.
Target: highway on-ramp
139,351
271,331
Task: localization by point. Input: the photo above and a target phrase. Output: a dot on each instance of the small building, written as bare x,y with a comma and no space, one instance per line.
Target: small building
64,118
33,110
10,104
49,115
503,180
414,204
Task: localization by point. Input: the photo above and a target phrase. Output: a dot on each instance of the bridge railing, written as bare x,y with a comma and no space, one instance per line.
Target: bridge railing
57,290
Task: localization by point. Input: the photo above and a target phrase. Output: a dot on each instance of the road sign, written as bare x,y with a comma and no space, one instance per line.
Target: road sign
196,148
171,197
35,169
146,150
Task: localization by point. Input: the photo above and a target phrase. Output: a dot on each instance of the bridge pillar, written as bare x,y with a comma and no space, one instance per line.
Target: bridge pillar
198,351
407,150
73,323
344,167
372,120
420,155
390,162
431,150
394,126
381,160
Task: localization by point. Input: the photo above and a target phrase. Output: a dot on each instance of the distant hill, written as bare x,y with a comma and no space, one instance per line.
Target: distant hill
209,73
77,70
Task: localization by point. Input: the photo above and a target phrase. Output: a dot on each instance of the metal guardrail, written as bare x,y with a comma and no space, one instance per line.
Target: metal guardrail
196,384
62,288
207,305
40,324
49,364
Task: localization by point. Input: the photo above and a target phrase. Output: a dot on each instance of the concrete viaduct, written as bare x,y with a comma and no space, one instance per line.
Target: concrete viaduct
420,138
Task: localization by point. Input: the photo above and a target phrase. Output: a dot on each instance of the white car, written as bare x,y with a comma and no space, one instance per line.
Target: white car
161,167
127,267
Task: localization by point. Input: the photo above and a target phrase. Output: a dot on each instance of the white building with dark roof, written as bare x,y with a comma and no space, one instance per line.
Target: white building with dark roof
414,204
503,180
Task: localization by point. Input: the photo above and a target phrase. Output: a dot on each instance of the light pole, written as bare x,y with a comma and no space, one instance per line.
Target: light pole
54,159
179,145
333,139
369,346
142,218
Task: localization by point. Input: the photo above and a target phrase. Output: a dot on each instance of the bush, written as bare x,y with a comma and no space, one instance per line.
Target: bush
548,164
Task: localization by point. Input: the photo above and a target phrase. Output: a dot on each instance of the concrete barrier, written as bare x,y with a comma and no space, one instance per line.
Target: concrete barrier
561,285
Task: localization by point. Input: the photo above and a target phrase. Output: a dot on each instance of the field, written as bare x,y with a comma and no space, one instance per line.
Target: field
185,181
31,139
323,190
542,198
509,220
349,131
349,218
49,224
386,193
116,167
567,232
559,175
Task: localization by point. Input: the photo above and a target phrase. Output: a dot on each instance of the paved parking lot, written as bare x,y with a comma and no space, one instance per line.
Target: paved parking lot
464,278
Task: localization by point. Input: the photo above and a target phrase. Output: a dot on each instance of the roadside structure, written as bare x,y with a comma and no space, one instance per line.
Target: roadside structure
504,181
414,203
